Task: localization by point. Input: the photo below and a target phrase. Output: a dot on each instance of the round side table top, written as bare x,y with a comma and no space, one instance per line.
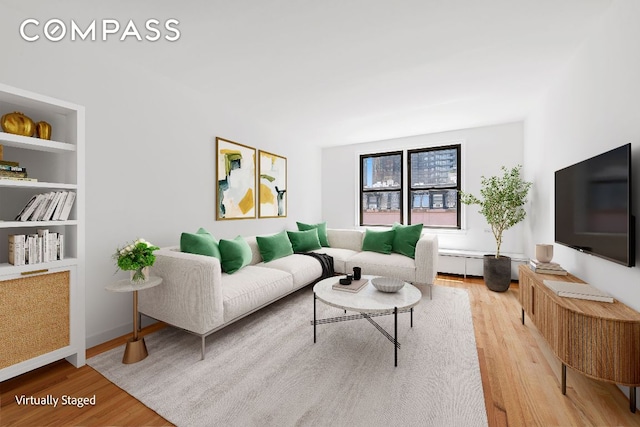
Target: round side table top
125,285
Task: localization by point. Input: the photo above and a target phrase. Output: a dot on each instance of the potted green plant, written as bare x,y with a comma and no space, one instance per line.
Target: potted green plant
502,205
136,257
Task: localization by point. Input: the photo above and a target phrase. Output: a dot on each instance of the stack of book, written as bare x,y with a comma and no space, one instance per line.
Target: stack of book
13,171
578,291
43,246
52,206
547,267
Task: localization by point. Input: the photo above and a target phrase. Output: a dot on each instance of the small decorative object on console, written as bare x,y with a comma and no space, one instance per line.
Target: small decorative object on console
387,284
18,124
136,257
544,253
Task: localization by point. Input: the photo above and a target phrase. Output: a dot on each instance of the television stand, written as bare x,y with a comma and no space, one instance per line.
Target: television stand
598,339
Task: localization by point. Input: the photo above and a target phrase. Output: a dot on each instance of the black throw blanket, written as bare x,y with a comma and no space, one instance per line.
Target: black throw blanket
326,261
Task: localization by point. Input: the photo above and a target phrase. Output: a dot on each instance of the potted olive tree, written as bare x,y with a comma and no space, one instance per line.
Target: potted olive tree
501,204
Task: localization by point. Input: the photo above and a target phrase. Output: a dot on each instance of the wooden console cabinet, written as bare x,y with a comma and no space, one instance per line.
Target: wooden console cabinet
598,339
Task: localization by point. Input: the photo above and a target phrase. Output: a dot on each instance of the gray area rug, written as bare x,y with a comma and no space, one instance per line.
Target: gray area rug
265,370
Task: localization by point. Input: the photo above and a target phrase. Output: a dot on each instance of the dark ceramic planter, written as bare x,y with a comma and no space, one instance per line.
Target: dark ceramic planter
497,272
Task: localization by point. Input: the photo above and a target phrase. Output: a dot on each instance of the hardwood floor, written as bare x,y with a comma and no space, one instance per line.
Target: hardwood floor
519,374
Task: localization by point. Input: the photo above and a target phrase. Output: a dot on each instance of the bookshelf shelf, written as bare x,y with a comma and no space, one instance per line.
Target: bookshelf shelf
38,224
37,144
8,183
58,164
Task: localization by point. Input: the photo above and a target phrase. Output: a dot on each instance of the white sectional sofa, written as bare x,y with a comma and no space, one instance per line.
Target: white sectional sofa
197,296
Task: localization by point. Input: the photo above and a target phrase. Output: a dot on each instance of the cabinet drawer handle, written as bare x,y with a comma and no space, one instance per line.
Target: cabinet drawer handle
28,273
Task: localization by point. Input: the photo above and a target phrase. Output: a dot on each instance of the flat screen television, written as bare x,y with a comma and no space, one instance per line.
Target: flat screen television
593,206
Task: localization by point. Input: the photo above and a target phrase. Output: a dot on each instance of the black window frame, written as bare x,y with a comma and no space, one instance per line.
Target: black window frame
457,186
400,189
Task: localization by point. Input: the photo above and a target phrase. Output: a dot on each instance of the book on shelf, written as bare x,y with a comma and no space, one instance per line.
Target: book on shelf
43,246
13,174
547,268
578,291
16,249
42,207
54,205
58,210
30,208
8,163
541,264
355,286
68,204
12,168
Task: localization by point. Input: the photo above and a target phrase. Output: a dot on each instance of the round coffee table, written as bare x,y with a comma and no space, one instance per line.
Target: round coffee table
368,302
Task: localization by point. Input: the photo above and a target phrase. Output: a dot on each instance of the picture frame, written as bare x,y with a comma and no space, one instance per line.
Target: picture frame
235,180
272,181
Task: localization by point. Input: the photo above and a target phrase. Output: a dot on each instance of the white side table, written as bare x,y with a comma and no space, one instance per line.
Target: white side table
136,349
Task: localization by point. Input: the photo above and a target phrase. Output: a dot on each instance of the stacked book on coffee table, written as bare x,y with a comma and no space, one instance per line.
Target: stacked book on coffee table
547,267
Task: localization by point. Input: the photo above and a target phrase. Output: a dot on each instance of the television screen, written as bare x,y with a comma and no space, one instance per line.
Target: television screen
593,206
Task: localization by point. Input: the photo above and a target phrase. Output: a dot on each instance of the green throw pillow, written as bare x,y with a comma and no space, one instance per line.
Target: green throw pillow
378,241
274,247
304,241
322,231
406,238
235,253
201,243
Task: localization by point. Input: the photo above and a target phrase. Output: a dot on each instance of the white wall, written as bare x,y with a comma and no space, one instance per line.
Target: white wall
150,156
593,107
484,150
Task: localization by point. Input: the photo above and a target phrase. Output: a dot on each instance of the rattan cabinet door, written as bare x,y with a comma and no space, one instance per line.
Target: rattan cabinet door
34,316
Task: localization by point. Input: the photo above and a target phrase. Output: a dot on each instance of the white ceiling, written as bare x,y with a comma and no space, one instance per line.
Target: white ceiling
346,71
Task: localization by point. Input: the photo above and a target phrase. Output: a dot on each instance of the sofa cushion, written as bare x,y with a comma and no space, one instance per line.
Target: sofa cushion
304,269
235,253
378,241
377,264
345,239
322,231
304,241
200,243
340,257
275,246
252,287
405,239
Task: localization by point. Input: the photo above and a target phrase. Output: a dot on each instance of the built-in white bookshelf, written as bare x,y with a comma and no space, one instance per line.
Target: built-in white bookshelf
42,308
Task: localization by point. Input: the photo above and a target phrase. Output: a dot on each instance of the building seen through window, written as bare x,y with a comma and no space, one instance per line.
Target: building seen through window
432,193
381,188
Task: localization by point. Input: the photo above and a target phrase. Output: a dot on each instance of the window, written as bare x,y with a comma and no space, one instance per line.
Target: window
381,188
434,181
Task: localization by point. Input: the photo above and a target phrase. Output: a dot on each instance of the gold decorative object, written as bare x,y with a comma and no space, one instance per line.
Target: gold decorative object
17,123
43,130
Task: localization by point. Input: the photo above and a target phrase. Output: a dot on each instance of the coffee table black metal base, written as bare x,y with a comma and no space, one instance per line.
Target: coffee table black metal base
368,316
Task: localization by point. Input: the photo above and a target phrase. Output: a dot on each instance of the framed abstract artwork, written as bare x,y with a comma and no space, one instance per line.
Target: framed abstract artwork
236,180
272,194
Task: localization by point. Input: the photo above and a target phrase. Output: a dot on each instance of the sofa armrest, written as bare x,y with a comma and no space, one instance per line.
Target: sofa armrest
427,259
190,295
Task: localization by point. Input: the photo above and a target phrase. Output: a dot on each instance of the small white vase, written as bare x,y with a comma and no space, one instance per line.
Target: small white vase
544,253
138,277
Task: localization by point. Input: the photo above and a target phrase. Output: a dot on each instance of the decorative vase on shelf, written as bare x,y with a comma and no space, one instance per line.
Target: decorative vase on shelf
544,253
18,124
139,276
43,130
